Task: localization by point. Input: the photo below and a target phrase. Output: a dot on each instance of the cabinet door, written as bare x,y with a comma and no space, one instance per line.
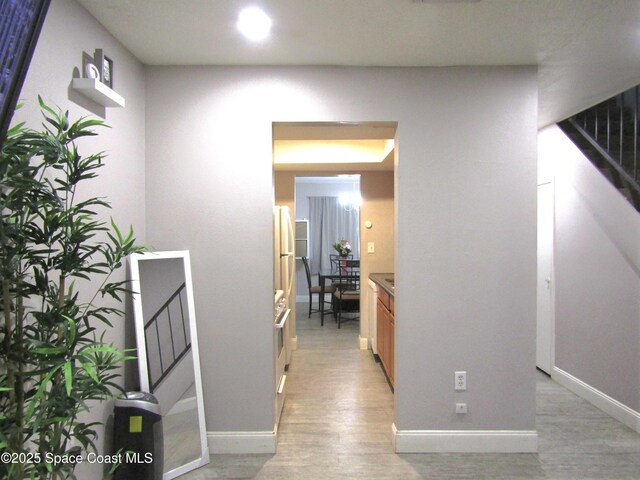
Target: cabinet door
387,344
380,321
392,341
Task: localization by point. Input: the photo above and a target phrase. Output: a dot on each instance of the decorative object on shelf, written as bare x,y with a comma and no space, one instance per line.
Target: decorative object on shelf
343,248
105,67
91,71
107,72
97,82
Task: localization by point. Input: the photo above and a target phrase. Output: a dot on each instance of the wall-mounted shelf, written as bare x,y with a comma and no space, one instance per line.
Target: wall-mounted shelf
98,92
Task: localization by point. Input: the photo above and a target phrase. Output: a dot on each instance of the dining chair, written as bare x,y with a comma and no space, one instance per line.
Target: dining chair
336,260
347,294
315,289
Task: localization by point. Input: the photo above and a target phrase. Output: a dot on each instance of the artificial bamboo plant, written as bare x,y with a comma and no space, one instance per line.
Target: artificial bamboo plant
56,260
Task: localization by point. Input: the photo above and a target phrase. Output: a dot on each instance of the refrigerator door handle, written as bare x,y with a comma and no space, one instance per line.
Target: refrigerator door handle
283,379
283,320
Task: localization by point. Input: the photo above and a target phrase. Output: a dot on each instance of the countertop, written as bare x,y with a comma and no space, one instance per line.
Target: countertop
385,280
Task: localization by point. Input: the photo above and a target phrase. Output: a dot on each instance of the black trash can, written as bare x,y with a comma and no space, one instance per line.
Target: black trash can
138,437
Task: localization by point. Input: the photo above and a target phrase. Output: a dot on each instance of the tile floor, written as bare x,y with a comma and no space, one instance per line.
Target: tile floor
337,420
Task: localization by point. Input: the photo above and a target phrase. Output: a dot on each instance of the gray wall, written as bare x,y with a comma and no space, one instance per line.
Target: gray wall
466,215
597,274
465,200
68,31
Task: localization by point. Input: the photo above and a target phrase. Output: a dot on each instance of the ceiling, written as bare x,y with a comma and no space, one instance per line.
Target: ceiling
315,147
586,50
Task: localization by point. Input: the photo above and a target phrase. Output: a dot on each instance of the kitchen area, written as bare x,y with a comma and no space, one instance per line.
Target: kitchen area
381,310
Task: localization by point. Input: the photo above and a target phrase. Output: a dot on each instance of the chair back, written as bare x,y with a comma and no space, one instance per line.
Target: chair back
349,280
305,260
336,260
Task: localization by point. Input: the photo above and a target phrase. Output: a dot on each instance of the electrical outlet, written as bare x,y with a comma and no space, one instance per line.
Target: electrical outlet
460,381
461,408
371,247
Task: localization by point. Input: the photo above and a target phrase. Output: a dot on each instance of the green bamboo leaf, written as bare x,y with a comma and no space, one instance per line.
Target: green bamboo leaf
15,129
50,350
85,122
115,229
72,328
46,107
68,377
40,393
102,349
91,371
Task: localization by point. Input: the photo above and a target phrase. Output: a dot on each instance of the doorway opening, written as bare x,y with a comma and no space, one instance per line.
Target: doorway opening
354,165
364,150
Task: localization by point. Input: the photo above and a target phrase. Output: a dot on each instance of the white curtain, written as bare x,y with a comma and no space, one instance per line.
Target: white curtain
330,222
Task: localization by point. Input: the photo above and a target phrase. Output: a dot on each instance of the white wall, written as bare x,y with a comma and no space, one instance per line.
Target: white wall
597,275
68,31
466,215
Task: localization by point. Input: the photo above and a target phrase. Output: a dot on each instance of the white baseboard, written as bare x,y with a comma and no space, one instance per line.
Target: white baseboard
242,442
364,343
465,441
604,402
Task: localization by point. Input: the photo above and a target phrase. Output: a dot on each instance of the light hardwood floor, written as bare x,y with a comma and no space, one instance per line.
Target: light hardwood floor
337,420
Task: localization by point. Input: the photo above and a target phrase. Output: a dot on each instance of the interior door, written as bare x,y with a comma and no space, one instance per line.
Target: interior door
544,330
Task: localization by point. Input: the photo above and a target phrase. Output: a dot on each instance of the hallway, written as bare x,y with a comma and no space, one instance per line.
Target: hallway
337,419
339,403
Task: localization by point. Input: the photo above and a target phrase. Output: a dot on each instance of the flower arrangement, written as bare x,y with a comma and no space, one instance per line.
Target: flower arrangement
342,247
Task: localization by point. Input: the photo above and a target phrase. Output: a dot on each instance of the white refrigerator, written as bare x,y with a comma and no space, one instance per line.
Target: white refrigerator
284,261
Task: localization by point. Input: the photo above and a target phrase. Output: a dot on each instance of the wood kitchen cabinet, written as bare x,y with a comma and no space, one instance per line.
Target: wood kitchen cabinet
391,348
386,332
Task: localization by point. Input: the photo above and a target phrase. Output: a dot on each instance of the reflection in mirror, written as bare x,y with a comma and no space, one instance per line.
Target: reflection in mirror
168,359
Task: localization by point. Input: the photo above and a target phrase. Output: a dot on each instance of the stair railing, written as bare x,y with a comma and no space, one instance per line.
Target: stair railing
611,129
152,328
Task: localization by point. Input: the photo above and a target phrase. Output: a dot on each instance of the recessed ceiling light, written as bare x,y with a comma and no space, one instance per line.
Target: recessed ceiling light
254,24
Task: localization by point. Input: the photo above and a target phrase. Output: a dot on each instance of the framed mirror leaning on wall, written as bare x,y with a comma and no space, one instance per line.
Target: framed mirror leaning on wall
168,359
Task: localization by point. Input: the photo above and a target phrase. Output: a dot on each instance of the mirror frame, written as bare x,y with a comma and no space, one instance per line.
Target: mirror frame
134,264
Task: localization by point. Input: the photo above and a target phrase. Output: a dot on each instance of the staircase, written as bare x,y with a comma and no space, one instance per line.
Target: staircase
607,134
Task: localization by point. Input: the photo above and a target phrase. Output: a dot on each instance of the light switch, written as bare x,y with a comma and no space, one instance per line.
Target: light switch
371,247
